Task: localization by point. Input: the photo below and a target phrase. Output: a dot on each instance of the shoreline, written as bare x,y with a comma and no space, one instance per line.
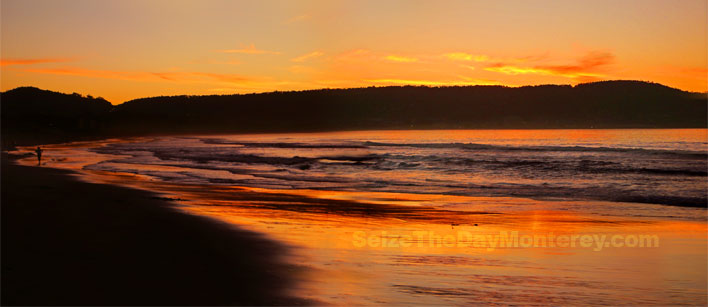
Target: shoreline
68,242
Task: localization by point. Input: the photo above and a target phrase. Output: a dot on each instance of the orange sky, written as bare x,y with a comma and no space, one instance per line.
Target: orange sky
127,49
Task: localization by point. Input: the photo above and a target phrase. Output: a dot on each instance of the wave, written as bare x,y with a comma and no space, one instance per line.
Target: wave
628,175
279,144
558,166
318,181
474,146
682,201
466,146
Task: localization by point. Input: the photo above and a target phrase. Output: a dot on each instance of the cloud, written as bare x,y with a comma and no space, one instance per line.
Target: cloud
582,76
589,62
516,70
5,62
308,56
399,58
462,56
251,49
587,68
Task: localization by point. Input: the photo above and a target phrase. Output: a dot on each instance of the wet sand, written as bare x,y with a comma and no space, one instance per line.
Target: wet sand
66,242
326,228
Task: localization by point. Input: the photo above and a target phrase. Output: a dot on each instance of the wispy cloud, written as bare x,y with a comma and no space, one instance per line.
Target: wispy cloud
589,62
587,68
250,49
400,58
462,56
516,70
5,62
308,56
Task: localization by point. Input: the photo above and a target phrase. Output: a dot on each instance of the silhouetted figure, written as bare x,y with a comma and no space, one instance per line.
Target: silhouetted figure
39,155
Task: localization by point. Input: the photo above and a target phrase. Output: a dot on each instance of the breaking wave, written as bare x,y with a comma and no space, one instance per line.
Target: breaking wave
670,176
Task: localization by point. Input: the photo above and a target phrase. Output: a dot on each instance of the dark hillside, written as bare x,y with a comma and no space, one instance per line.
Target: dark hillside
609,104
29,112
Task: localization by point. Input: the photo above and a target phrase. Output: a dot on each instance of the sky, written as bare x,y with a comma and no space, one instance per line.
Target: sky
126,49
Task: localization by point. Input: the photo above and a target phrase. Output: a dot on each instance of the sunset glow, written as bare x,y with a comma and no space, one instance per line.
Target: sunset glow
122,50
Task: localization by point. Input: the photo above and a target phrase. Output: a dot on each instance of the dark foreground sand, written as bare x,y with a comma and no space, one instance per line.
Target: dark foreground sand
66,242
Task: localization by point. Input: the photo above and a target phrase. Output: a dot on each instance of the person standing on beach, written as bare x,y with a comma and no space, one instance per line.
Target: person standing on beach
39,155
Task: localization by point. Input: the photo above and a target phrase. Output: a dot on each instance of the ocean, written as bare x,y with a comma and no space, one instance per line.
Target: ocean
347,201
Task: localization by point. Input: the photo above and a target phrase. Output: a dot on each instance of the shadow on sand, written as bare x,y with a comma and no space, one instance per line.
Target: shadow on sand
66,242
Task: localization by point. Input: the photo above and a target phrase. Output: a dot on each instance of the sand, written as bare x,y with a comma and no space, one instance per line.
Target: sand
67,242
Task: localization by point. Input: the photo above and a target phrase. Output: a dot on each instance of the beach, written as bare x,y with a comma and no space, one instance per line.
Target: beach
354,153
67,242
579,217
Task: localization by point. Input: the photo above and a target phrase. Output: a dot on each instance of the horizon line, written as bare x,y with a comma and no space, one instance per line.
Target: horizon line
364,87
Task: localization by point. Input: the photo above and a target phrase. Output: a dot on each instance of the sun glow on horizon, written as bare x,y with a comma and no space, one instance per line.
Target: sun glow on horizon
240,47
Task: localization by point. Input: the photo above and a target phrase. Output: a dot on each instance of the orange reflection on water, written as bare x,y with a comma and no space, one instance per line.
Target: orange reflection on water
404,258
426,271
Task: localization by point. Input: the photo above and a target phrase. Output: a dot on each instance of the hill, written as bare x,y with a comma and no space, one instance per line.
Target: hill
607,104
29,113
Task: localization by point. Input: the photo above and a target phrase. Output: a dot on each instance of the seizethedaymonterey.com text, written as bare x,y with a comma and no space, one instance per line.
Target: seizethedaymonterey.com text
502,239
